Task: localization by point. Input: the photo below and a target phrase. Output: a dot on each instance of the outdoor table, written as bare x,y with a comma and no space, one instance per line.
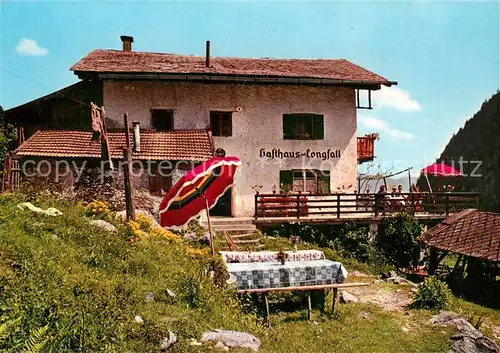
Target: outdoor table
270,256
258,275
264,277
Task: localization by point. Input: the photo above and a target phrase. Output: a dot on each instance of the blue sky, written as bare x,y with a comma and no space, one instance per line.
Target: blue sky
444,55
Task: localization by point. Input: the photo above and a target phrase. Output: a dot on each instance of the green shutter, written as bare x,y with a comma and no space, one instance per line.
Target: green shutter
324,181
319,133
286,180
288,127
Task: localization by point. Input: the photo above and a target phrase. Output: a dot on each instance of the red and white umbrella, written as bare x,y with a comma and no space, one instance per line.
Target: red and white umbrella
198,190
439,170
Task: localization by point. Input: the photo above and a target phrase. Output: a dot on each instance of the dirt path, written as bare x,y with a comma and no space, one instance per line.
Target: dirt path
384,295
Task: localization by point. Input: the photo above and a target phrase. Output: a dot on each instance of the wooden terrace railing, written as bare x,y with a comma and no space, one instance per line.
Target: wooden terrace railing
344,205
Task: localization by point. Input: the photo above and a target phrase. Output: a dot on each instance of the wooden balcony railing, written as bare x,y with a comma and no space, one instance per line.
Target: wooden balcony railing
366,148
343,205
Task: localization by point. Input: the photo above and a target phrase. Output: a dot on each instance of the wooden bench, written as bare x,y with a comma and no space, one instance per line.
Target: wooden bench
308,289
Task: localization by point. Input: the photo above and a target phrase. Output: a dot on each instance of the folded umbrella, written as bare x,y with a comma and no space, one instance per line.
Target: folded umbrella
198,190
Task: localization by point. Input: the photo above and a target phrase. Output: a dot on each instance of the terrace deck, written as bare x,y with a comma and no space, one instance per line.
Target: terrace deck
274,209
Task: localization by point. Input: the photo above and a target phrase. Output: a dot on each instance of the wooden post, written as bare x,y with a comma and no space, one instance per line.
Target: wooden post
266,304
335,294
129,200
127,132
308,305
298,205
105,141
212,237
338,205
7,173
127,170
256,206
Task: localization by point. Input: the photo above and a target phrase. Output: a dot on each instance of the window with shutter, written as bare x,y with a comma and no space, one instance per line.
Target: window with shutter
303,127
286,180
318,127
288,127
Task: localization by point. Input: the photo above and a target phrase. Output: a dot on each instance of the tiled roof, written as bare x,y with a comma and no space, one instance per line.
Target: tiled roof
174,145
115,61
470,232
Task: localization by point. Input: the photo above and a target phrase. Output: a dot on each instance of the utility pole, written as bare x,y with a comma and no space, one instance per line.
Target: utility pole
127,171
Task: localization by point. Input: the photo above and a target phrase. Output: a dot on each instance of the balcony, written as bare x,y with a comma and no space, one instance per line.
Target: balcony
366,148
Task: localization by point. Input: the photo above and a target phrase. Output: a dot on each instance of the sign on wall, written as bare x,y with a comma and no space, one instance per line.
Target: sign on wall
277,153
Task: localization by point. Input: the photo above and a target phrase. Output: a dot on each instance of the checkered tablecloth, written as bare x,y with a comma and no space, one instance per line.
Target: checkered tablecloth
255,275
270,256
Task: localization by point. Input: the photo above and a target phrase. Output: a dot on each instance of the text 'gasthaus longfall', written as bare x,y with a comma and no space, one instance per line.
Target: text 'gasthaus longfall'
277,153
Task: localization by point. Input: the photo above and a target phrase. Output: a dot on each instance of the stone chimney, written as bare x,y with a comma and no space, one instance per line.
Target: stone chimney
127,42
137,136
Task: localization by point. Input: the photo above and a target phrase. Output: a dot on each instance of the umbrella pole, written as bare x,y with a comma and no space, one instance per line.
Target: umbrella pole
209,227
428,182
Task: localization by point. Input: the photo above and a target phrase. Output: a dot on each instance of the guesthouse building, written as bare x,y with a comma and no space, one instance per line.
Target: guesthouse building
292,122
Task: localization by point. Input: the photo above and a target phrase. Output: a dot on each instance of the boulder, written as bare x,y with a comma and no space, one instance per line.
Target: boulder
169,293
168,341
190,237
51,211
138,319
194,343
470,339
103,225
232,339
347,297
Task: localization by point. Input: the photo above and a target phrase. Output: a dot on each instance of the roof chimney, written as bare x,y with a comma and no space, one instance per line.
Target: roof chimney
137,136
127,42
207,56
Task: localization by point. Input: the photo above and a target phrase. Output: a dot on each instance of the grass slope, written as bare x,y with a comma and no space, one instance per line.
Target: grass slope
80,288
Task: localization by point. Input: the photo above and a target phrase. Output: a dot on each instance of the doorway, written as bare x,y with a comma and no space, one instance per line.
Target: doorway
223,206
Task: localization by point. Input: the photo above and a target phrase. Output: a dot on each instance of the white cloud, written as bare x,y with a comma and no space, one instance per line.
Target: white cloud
381,126
30,47
396,98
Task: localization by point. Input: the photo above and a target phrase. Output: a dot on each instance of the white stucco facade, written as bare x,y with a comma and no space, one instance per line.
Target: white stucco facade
256,126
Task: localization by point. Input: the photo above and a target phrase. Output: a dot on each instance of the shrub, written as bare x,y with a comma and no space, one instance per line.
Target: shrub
352,241
431,294
306,232
397,240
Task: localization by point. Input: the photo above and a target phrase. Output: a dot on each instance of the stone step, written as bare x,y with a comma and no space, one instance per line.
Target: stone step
243,235
228,220
249,241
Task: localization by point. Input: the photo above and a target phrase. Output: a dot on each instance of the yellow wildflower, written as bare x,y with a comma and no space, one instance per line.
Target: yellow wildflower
195,252
161,232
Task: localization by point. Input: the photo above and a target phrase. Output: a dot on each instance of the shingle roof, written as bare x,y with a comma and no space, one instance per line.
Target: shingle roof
174,145
116,61
470,232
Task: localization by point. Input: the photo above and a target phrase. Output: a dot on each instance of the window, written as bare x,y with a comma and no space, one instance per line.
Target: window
160,181
309,181
303,127
221,123
162,119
